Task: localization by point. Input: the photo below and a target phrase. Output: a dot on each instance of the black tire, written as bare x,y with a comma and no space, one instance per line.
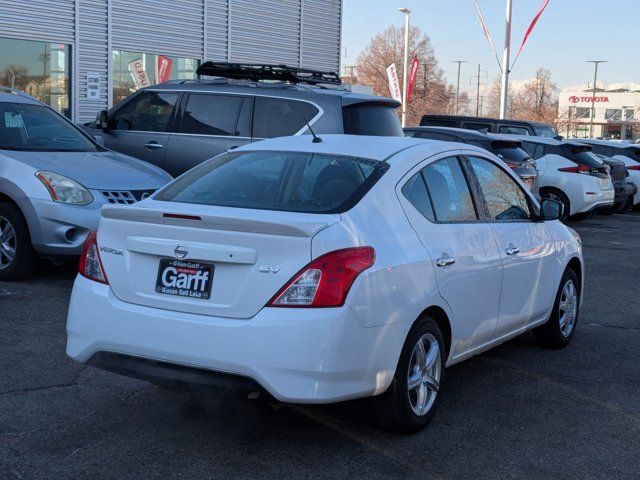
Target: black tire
555,194
552,334
25,260
579,217
627,205
393,409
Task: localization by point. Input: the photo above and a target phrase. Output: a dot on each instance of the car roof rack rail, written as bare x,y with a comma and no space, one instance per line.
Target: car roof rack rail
261,72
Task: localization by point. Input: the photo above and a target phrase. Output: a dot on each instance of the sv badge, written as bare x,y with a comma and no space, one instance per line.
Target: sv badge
269,269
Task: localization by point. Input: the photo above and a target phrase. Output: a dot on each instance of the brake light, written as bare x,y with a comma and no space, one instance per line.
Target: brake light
90,265
326,281
576,169
634,167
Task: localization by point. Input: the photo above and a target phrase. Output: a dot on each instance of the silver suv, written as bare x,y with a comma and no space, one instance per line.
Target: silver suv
179,124
54,179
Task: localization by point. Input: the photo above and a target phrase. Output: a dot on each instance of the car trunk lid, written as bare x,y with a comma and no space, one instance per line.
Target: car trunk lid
249,254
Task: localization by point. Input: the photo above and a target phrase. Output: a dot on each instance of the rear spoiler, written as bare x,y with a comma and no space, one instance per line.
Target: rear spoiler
302,228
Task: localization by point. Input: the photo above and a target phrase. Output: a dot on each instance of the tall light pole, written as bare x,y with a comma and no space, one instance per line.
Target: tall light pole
505,63
593,93
459,62
406,13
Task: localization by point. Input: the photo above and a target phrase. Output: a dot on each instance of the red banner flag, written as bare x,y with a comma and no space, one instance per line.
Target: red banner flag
163,69
533,24
413,72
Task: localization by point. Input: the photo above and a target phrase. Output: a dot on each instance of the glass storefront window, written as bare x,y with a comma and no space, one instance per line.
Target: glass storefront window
39,68
134,70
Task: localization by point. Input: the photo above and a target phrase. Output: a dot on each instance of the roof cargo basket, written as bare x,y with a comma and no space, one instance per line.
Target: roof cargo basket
259,72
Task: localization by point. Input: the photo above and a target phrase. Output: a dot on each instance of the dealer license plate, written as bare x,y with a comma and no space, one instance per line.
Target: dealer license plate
184,278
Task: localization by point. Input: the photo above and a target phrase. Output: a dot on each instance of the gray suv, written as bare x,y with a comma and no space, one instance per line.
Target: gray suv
179,124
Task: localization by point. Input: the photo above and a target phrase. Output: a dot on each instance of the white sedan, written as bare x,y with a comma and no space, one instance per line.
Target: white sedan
324,271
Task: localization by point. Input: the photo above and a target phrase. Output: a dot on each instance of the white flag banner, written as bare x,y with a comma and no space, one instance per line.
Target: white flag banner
139,73
394,84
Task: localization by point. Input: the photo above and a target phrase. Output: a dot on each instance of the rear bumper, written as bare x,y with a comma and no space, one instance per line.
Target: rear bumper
593,200
623,192
297,355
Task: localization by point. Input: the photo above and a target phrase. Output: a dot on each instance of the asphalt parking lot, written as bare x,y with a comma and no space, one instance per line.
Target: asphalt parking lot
514,412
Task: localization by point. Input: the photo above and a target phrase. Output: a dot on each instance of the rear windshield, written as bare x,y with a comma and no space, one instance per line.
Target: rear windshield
633,152
287,181
368,119
581,156
509,151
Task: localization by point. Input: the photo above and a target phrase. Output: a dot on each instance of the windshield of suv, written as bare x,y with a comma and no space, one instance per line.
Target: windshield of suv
36,128
370,119
287,181
545,131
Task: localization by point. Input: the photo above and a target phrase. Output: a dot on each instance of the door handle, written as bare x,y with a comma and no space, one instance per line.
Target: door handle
153,145
445,261
513,251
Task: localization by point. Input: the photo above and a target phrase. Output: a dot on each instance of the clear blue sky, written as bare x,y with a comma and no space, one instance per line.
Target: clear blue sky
568,33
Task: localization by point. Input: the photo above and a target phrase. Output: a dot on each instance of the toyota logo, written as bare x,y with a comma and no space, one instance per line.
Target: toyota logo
181,251
574,99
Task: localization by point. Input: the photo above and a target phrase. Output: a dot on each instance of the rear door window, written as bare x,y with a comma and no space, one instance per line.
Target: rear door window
281,117
371,119
512,129
147,112
207,114
287,181
449,191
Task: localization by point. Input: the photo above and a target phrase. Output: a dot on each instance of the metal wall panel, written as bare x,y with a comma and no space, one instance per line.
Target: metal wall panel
217,32
46,20
295,32
162,27
93,55
264,31
320,42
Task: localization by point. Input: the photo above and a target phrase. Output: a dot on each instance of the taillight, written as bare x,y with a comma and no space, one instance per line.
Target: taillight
90,265
634,167
325,282
576,169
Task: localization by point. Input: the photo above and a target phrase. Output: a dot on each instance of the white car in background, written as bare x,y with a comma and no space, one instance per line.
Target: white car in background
327,270
627,152
569,173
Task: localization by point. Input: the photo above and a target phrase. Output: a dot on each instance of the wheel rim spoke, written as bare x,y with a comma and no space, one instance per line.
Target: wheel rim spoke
423,381
567,308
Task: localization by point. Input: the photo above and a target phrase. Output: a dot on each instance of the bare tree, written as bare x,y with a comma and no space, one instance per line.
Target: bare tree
431,94
536,101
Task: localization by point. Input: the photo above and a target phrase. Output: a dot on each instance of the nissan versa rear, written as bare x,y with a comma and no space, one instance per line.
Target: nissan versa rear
322,270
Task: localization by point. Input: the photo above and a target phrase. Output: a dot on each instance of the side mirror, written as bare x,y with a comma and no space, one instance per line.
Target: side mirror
551,209
103,120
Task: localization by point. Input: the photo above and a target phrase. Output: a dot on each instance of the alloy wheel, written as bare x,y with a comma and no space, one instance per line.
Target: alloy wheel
425,370
568,308
7,243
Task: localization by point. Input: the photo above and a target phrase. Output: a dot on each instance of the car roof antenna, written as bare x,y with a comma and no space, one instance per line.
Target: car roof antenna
316,139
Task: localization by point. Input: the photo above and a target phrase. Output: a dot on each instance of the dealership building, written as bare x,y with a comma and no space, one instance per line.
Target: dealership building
82,56
616,112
